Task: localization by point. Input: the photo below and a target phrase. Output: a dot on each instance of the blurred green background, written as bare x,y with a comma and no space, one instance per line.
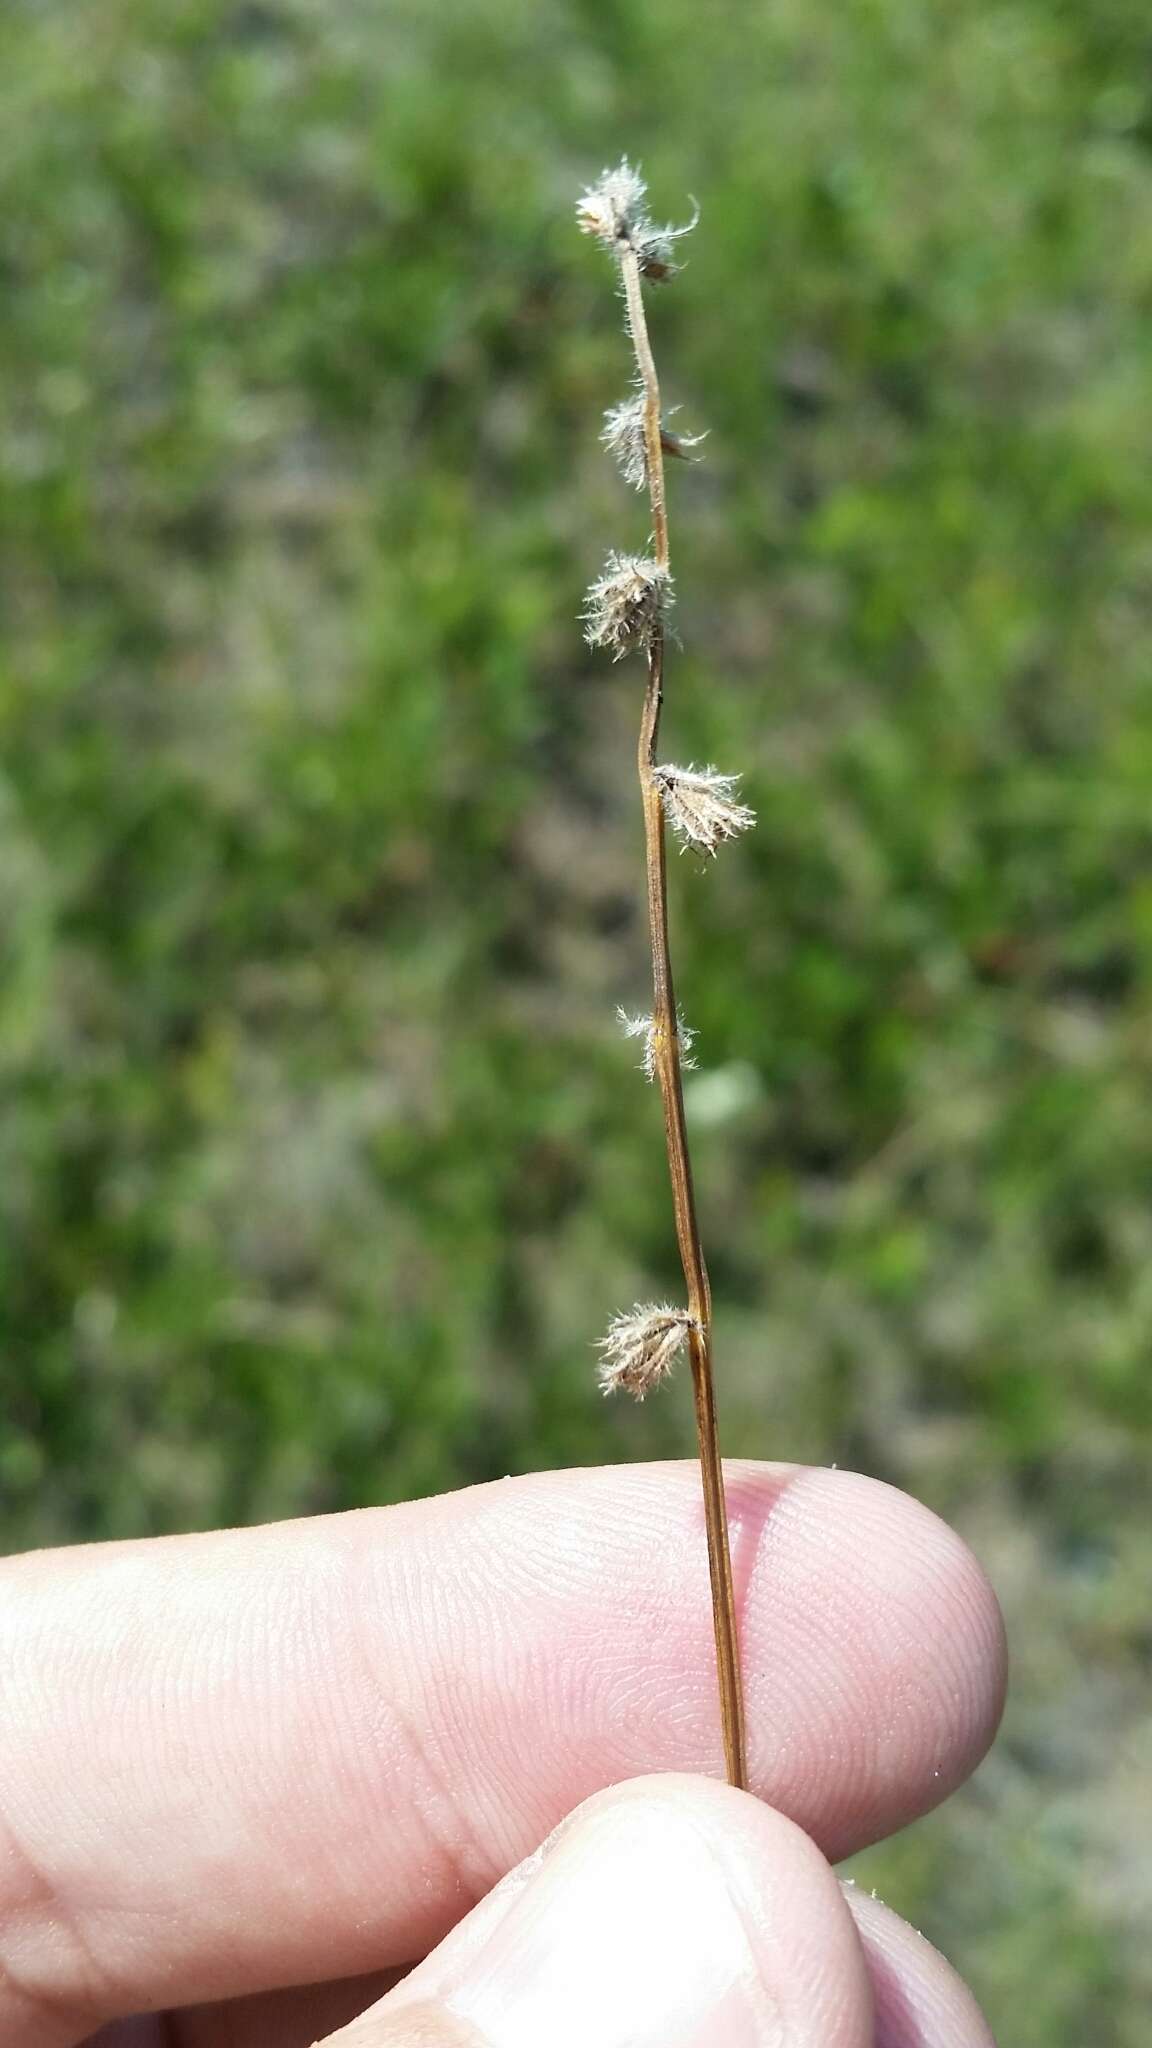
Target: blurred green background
323,1161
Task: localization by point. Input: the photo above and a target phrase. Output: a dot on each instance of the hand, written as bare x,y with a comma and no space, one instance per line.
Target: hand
308,1755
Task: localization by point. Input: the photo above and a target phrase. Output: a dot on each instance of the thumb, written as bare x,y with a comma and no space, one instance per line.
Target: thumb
667,1913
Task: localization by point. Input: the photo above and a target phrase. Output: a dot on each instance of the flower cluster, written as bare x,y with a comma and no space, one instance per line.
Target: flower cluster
614,210
700,806
642,1347
626,604
646,1028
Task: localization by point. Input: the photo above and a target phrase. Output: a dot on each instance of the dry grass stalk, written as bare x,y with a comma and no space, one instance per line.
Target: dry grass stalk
627,610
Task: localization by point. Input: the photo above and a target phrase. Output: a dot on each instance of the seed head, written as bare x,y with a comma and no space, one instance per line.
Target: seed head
642,1347
624,437
614,210
613,207
646,1028
679,444
626,604
699,805
656,248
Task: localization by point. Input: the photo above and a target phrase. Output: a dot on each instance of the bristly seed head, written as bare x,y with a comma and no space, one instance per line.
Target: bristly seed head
656,249
624,437
646,1028
613,210
642,1347
614,206
679,444
700,806
626,604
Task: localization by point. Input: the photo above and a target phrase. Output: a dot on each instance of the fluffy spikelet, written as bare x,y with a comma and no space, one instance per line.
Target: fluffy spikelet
700,806
614,210
656,248
680,444
623,437
642,1347
626,603
614,206
645,1028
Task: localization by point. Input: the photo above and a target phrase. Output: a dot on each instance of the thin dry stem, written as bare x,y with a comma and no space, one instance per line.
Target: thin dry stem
666,1057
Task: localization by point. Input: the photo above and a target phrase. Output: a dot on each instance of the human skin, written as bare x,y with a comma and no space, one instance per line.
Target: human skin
249,1780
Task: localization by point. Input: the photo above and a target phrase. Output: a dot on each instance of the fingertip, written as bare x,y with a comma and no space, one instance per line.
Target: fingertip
876,1602
669,1912
920,2001
790,1902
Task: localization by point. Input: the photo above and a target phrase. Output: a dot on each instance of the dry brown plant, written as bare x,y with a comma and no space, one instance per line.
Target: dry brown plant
627,611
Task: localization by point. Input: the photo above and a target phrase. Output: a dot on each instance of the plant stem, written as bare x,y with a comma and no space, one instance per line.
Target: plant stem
667,1059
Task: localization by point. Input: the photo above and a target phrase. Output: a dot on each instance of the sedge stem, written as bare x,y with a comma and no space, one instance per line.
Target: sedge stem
666,1049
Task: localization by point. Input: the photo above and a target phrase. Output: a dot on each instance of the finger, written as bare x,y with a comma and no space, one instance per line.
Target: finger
293,2018
668,1913
241,1760
920,2001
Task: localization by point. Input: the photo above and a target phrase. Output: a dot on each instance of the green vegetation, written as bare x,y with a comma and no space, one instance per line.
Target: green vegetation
324,1164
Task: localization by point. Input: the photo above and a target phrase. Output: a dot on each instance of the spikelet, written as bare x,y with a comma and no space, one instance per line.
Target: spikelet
614,210
613,207
624,438
626,604
642,1347
700,806
645,1028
